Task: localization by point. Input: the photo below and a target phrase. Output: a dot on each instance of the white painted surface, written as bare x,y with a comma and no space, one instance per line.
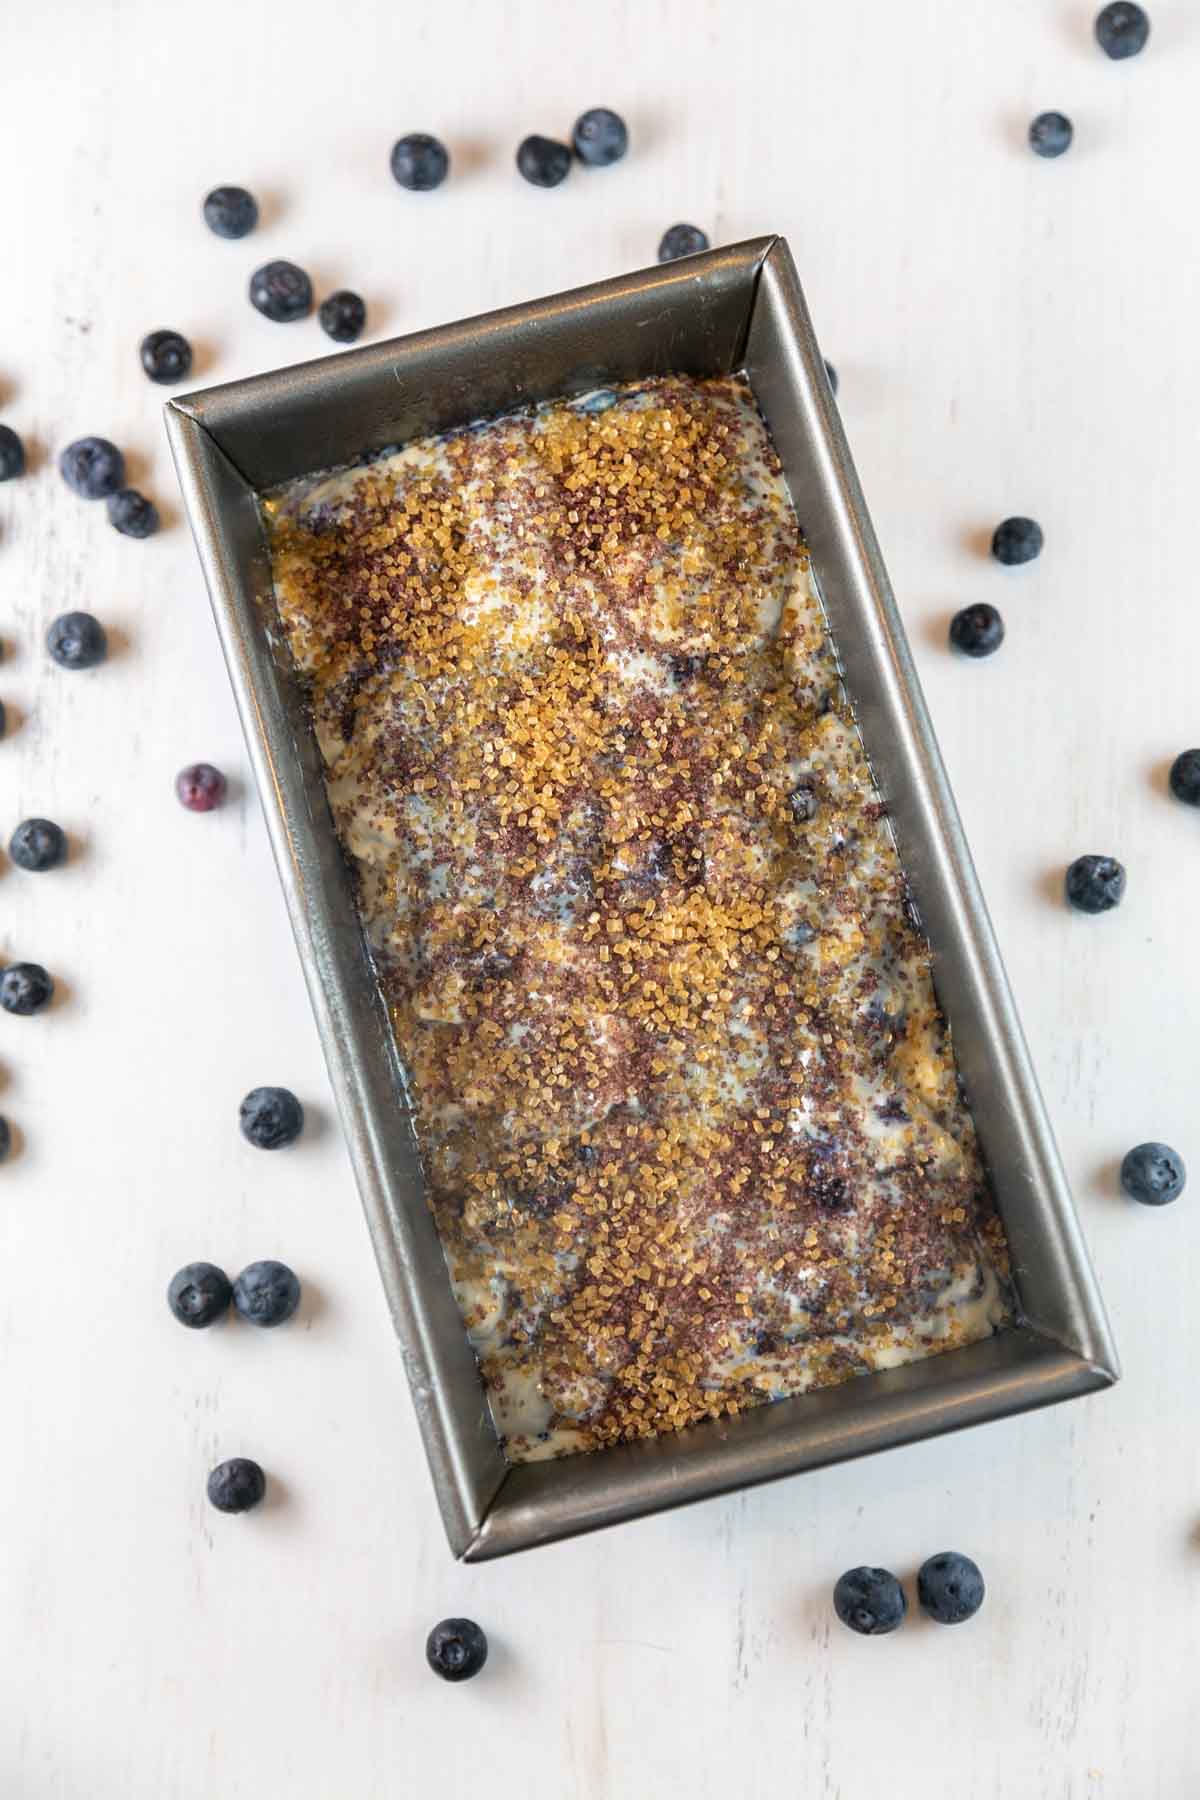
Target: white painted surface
1012,336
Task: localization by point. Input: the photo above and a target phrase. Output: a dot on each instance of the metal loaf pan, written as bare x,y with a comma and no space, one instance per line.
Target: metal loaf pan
738,308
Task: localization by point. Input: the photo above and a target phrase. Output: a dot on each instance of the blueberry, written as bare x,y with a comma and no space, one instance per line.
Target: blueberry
681,240
1121,30
1017,541
831,376
92,468
199,1293
419,162
166,356
5,1138
271,1117
25,988
266,1293
282,292
12,454
342,316
237,1485
543,162
76,641
977,630
950,1588
870,1601
1153,1174
1095,884
38,845
802,802
1185,777
600,137
456,1649
1050,134
132,514
200,787
230,212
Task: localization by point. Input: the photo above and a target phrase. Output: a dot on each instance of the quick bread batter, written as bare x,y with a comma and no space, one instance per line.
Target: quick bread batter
687,1108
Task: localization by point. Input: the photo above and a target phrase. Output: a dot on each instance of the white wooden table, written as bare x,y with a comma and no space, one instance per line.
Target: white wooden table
1012,336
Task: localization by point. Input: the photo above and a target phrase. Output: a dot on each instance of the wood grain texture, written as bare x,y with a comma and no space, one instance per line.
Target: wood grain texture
1012,336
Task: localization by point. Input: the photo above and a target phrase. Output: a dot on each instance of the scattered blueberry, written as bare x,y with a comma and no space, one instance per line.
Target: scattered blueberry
950,1587
1153,1174
237,1485
282,292
1185,777
200,787
230,212
419,162
166,356
266,1293
342,316
271,1117
1122,30
870,1601
1050,134
25,988
600,137
543,162
1095,884
681,240
1017,541
132,514
92,468
831,376
977,630
5,1138
199,1293
456,1649
12,454
38,845
76,641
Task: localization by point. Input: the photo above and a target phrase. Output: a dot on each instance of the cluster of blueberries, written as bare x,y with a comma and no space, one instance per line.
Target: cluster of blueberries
872,1602
1122,30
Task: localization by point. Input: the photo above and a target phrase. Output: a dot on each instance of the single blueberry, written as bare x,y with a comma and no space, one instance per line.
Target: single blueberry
12,454
76,641
132,514
600,137
1185,777
266,1293
543,162
869,1601
38,845
977,630
456,1649
1050,134
681,240
271,1117
1153,1174
199,1293
1122,29
200,787
419,162
342,316
1017,541
230,212
237,1485
25,988
802,802
831,376
281,292
5,1137
166,356
1095,884
950,1587
92,468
